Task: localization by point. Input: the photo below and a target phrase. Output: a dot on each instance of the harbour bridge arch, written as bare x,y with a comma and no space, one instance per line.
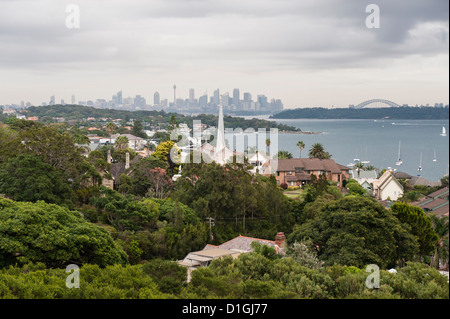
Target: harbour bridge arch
376,102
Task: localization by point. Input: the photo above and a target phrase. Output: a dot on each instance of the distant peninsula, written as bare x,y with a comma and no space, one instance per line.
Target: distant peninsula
394,113
77,114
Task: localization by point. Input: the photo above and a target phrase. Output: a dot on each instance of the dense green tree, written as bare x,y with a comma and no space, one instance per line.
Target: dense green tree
126,213
60,151
317,187
236,200
138,129
355,188
28,178
357,231
247,277
55,236
169,276
168,152
421,226
173,123
143,176
305,254
444,181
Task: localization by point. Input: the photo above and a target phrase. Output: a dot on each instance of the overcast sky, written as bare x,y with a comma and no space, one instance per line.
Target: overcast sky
305,52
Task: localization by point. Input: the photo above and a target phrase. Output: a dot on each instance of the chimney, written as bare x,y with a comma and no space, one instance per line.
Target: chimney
108,157
127,160
280,240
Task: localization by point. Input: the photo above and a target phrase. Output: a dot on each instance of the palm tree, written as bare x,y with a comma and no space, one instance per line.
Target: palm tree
121,142
268,145
370,168
110,127
81,139
284,155
441,250
301,146
318,151
360,166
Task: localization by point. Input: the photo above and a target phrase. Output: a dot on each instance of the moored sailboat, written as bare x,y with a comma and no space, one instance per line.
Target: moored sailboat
399,161
420,164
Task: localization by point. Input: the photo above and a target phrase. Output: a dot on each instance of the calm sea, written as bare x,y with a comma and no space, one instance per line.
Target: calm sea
376,141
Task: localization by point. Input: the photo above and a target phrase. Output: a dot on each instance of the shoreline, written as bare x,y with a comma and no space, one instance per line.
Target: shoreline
302,132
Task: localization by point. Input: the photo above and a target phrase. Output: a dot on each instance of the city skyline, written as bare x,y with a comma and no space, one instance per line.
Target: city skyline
302,52
204,102
240,102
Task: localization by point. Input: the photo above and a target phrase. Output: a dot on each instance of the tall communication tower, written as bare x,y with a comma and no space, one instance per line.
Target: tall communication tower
174,94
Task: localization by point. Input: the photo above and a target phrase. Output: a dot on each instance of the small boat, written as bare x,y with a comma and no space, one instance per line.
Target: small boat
399,161
420,165
366,161
444,132
434,159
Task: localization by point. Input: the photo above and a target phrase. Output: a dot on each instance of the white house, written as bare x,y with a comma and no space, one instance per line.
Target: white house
134,142
387,187
258,160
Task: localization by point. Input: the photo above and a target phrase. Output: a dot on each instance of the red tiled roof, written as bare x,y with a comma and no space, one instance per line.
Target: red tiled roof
243,243
309,164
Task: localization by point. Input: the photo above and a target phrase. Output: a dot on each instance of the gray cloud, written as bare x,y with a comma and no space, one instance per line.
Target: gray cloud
255,36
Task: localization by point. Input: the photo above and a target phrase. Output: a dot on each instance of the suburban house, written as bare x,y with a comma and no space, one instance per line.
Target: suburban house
416,180
258,160
118,169
387,187
298,171
232,248
364,178
134,142
436,202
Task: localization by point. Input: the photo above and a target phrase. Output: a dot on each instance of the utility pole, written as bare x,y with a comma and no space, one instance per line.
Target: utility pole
211,223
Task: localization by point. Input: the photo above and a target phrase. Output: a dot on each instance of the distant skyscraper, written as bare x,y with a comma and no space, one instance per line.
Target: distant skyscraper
73,100
191,95
119,98
52,100
236,97
203,101
262,99
216,97
139,101
247,97
156,99
225,99
174,94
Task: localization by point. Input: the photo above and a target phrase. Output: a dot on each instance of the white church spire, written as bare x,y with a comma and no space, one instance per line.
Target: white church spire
220,139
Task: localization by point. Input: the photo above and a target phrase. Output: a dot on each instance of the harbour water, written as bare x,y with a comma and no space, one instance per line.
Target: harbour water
376,141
